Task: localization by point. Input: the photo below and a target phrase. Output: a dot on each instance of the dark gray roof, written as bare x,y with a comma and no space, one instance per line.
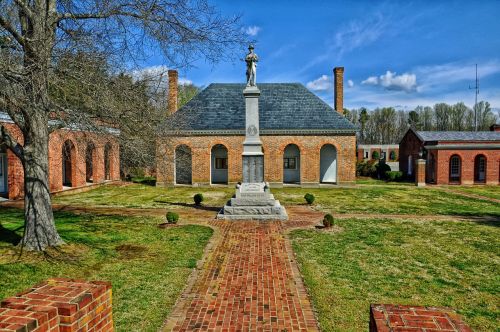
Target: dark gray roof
283,107
456,136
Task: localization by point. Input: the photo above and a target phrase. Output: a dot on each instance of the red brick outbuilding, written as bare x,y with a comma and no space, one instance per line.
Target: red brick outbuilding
77,158
305,141
452,157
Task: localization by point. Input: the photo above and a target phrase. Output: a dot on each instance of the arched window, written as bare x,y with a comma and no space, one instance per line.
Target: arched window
455,169
480,169
89,162
68,164
291,164
3,171
328,164
219,164
108,154
183,165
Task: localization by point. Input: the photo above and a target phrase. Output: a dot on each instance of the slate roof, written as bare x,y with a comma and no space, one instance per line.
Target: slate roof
458,136
283,107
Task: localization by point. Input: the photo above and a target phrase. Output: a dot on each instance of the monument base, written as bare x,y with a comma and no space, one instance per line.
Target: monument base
253,201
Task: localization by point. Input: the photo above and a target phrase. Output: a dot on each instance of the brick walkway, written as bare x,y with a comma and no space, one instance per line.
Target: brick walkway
249,282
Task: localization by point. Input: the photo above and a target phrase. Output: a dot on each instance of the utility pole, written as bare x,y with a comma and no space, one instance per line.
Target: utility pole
476,87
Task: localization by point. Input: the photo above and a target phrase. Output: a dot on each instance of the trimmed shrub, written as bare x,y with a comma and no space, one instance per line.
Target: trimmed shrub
198,198
394,176
172,217
375,155
328,220
367,168
309,198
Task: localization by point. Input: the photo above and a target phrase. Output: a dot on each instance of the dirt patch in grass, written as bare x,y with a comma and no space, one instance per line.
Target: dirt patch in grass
131,251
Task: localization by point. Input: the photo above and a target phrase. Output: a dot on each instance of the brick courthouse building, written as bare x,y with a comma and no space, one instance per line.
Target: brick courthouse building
76,158
453,157
305,141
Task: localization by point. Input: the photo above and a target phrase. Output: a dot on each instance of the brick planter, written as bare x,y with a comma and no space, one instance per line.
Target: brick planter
59,305
404,318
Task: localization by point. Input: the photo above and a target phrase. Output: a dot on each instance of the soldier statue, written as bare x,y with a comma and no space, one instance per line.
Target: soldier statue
251,60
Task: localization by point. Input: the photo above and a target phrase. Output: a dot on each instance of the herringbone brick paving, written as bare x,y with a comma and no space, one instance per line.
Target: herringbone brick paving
249,282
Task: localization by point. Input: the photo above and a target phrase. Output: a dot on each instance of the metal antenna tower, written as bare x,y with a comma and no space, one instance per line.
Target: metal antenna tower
476,87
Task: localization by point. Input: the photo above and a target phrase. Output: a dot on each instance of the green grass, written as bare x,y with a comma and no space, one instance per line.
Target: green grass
492,191
380,199
143,196
390,200
453,264
148,267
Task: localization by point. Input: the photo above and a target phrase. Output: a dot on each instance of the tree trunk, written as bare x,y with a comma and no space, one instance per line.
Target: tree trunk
40,230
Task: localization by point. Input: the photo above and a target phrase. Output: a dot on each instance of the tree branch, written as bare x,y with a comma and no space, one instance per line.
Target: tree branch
9,28
11,142
25,8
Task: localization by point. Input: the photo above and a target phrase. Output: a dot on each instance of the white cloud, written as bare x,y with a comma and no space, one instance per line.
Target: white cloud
444,74
372,80
252,30
350,83
392,81
359,33
320,84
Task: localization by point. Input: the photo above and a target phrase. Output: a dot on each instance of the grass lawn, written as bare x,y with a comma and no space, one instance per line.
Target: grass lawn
440,263
147,266
383,199
492,191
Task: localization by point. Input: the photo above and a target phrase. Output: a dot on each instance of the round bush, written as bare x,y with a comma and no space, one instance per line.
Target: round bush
198,198
309,198
375,155
328,220
172,217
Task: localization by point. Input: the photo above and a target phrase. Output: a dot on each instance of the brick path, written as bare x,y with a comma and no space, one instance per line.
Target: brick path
249,282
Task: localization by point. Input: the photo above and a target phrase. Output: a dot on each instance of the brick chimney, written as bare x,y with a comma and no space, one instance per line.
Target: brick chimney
338,89
173,77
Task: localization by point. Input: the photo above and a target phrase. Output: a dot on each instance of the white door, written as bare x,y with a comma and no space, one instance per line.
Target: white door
3,172
328,164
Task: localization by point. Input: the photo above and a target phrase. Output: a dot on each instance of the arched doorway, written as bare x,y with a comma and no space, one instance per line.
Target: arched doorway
431,168
89,162
480,169
3,170
219,164
455,169
108,154
410,165
328,164
291,164
68,163
183,165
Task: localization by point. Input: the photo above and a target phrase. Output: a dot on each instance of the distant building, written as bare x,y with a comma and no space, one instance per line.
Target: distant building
453,157
387,152
76,158
305,141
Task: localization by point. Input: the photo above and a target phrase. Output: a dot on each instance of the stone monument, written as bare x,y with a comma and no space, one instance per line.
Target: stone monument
253,199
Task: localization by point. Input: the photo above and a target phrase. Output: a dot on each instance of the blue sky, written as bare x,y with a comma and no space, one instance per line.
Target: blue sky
400,54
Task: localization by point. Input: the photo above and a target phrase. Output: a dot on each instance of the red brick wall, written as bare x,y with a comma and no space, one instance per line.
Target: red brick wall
401,318
420,172
59,305
467,165
360,154
273,146
410,146
79,140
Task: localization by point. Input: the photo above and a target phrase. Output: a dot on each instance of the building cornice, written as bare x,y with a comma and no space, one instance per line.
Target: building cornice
463,147
264,132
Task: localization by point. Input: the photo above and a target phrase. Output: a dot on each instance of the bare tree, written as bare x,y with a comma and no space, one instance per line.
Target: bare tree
37,35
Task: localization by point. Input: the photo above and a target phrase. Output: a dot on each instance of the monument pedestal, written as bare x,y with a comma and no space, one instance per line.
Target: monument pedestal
253,201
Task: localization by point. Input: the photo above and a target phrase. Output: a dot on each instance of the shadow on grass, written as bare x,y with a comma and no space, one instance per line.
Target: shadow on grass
198,207
10,236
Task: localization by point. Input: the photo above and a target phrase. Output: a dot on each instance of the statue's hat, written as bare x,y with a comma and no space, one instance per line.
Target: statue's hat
250,47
